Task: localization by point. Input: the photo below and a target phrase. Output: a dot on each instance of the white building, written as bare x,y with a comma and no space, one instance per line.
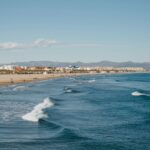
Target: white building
6,67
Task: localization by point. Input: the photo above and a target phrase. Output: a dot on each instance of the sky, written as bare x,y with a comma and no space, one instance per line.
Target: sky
74,30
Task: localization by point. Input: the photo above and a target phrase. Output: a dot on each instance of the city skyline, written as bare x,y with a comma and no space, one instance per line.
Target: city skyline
70,31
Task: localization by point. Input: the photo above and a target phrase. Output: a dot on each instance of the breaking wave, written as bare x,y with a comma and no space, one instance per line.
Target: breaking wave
20,88
70,90
38,111
67,90
136,93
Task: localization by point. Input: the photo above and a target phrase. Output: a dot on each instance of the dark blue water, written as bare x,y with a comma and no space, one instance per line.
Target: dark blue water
101,112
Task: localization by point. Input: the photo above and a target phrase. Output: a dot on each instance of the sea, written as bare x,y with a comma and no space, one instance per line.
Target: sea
91,112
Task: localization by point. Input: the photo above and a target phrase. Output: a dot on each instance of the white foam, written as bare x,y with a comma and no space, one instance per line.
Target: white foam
13,85
68,91
72,78
91,81
37,112
136,93
20,88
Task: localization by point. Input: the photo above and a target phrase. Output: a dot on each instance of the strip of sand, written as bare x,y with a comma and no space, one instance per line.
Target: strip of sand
6,79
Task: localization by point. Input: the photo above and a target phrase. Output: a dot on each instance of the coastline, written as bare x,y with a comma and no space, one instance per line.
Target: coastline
8,79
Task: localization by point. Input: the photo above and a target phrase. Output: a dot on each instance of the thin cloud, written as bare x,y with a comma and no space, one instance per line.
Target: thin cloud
9,45
42,43
35,44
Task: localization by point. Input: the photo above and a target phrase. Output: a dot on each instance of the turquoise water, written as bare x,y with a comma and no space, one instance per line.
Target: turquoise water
100,112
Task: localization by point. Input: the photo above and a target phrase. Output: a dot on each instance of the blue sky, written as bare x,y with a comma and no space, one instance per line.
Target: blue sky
74,30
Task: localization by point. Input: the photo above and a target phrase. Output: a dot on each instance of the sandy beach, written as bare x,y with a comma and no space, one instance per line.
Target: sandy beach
6,79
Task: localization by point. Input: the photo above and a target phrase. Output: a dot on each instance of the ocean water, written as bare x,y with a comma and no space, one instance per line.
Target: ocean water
97,112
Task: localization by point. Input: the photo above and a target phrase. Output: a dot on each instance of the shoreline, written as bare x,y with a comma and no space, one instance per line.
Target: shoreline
10,79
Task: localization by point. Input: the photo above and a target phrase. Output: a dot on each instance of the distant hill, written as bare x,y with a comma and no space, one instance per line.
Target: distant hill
145,65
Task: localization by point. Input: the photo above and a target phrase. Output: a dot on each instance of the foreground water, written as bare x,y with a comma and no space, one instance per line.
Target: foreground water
101,112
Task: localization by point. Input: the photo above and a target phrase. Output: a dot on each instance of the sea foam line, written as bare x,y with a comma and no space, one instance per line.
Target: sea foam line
38,111
136,93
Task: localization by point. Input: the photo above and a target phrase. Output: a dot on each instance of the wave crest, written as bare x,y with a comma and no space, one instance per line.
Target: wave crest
136,93
70,90
38,111
20,88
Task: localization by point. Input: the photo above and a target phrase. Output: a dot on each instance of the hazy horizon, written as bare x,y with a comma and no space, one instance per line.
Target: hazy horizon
73,61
